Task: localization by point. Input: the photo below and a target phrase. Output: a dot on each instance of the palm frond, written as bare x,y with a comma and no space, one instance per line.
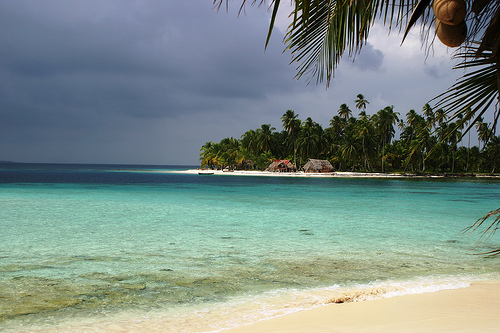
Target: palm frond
273,19
488,231
322,31
478,6
415,15
475,92
318,38
491,39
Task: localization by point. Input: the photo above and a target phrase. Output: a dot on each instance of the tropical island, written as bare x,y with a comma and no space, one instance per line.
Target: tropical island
428,143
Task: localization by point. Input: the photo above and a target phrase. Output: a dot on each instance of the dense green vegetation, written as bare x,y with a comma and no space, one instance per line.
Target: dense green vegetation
427,143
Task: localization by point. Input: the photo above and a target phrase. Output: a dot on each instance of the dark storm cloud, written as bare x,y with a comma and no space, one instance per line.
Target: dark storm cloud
149,59
125,81
78,77
59,37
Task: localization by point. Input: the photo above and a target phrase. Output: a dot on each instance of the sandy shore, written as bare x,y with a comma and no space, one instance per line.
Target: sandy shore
336,174
296,174
472,309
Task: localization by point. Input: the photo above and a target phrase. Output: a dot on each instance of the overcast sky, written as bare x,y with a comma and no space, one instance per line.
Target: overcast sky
149,82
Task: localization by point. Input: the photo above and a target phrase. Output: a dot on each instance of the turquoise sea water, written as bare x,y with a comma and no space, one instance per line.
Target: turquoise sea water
93,248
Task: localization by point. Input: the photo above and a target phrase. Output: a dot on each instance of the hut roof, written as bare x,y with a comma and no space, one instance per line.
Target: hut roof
281,165
314,165
245,164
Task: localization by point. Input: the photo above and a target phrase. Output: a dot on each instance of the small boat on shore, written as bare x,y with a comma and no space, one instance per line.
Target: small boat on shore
205,172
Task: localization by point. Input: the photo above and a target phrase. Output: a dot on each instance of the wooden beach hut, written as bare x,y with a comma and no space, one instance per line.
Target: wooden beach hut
245,165
281,166
317,166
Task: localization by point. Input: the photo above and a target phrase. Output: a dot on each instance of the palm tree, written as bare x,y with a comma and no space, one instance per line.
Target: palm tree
227,150
493,152
265,137
385,120
307,142
425,140
429,114
440,116
311,139
402,125
363,115
365,131
211,155
242,158
249,141
349,154
344,112
412,118
322,143
412,157
361,102
206,156
291,124
483,131
337,126
453,140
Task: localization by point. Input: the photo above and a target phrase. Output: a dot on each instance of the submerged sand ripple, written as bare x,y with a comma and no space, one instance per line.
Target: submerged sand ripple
98,293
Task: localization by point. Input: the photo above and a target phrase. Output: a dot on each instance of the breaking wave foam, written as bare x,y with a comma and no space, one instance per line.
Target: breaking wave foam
245,310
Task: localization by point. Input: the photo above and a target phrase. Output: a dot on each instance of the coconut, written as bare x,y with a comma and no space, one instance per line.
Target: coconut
451,35
450,12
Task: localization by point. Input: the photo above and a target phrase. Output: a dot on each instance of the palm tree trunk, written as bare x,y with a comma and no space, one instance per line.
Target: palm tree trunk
364,154
423,161
452,161
498,74
468,152
295,154
383,153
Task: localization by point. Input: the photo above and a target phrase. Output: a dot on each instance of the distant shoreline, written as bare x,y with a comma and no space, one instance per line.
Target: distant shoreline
336,174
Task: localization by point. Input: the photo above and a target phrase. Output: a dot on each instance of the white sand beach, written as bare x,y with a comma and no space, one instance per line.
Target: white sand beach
336,174
472,309
295,174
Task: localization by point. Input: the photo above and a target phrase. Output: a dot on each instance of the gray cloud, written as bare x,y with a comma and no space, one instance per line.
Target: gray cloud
369,59
436,70
130,59
150,81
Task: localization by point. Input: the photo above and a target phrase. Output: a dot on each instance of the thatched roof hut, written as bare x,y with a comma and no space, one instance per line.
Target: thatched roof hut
246,165
318,166
281,166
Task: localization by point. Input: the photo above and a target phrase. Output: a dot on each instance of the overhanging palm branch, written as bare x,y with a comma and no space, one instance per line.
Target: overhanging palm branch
319,39
475,92
488,231
322,31
417,13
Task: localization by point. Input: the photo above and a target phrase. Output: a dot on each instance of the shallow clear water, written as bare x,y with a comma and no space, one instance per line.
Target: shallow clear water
88,247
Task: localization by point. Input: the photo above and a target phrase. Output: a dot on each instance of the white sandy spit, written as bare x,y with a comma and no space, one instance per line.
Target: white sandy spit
297,174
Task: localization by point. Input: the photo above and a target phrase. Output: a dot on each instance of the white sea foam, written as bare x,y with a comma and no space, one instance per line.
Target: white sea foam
239,311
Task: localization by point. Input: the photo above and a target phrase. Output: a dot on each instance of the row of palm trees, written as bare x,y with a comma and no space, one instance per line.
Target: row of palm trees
427,143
